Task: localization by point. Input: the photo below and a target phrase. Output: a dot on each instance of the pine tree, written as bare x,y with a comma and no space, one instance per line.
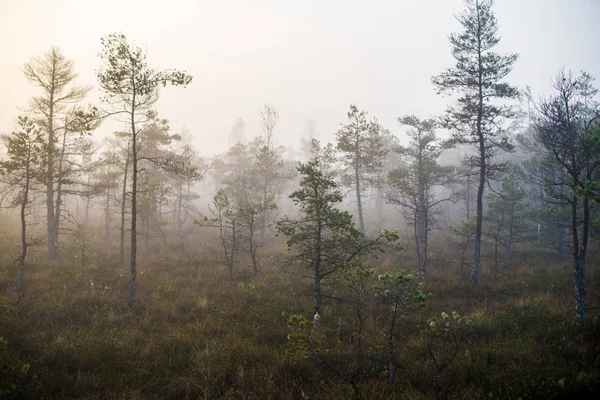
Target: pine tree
362,153
478,117
131,89
412,187
323,238
20,171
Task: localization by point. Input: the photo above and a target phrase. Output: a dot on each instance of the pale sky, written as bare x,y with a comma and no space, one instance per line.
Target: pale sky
310,58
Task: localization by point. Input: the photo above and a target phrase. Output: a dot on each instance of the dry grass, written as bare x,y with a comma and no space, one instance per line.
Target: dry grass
193,334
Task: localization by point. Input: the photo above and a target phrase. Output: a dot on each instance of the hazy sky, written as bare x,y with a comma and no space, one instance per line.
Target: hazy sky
309,58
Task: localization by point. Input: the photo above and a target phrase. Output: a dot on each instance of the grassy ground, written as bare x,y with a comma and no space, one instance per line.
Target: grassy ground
194,334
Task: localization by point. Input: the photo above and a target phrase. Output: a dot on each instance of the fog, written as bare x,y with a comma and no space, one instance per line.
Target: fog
299,200
310,59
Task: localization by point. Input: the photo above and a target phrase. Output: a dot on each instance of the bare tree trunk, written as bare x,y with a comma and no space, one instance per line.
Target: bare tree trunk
390,340
232,257
479,221
425,242
180,221
359,201
579,254
318,237
134,176
417,239
24,201
123,209
52,239
482,167
253,248
59,194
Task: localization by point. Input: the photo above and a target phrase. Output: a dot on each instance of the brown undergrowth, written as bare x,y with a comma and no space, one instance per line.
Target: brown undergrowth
194,334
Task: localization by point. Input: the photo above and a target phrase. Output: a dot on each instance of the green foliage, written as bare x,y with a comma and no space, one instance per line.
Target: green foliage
591,187
125,75
247,289
465,233
447,339
24,165
361,146
478,76
300,341
447,334
362,153
323,236
16,381
464,229
355,275
414,182
506,216
399,291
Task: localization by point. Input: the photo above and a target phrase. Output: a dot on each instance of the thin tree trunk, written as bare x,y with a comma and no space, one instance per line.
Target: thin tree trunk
24,201
317,266
134,176
478,226
232,258
180,221
359,201
417,244
59,194
482,166
425,242
390,341
579,262
52,242
123,209
251,245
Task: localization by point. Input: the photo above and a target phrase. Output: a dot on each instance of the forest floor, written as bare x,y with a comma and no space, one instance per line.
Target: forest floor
194,334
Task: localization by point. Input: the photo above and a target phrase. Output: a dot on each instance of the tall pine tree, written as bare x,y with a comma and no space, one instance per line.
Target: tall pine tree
477,118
